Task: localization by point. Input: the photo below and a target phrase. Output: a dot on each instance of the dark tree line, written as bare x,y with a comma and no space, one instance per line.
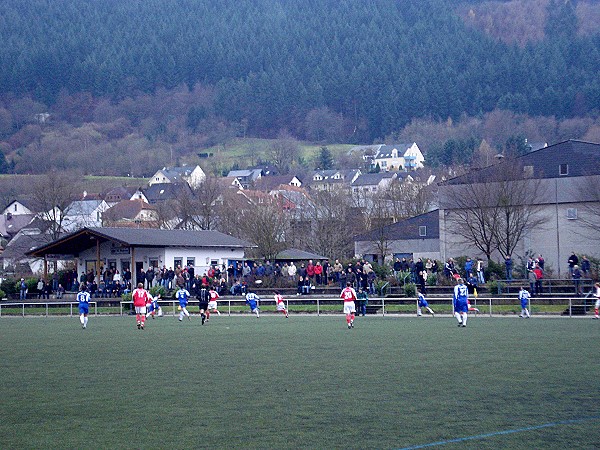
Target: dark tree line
362,69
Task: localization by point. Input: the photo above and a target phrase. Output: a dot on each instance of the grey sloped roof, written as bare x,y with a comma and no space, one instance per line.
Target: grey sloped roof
159,192
385,151
372,179
293,254
10,225
582,158
139,237
406,229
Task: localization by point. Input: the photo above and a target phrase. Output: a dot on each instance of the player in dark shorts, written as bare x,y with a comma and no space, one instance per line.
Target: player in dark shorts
203,297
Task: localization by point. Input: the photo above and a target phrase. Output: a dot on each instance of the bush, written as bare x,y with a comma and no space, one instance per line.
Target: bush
495,271
410,290
2,294
432,279
494,286
155,290
9,286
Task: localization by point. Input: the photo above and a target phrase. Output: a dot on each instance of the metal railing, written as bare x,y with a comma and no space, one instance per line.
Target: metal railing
45,306
490,306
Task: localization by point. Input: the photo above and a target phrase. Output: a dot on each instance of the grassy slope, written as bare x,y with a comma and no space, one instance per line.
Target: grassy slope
302,382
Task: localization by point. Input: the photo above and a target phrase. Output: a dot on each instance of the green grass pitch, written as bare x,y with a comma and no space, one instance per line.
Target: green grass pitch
304,382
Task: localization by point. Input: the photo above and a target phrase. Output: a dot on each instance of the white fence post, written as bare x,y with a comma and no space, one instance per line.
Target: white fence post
570,307
490,307
383,306
318,310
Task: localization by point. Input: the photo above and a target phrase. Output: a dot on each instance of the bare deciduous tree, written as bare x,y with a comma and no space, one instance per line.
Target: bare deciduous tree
52,196
494,208
283,152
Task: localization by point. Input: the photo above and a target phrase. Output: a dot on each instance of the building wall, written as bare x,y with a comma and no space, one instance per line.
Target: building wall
164,256
420,248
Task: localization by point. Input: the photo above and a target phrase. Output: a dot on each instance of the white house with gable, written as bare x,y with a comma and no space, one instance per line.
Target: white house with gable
194,176
398,157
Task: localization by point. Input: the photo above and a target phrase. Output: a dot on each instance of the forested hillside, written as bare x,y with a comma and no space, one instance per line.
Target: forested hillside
155,74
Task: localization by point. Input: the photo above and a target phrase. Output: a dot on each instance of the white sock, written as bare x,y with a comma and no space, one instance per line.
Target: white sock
85,319
430,310
526,312
464,318
418,311
81,317
218,313
185,311
457,315
181,315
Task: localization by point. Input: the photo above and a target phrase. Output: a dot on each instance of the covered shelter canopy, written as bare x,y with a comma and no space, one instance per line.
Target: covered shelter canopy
293,254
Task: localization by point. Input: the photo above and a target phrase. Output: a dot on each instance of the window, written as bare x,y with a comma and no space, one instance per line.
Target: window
177,261
563,169
15,207
191,262
528,171
422,230
571,213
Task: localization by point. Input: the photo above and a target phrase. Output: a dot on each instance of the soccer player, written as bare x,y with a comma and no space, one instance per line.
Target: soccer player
153,307
140,298
280,303
83,298
460,302
597,295
349,296
203,297
422,303
182,296
252,301
524,297
212,304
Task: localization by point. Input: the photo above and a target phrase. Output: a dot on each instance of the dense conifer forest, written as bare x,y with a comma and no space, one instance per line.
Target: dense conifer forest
161,74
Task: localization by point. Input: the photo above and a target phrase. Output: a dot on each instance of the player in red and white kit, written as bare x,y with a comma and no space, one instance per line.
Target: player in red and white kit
140,298
212,303
349,296
280,303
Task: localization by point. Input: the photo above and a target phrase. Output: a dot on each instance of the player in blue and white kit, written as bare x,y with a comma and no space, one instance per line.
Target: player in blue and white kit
183,295
422,303
83,297
460,302
524,297
252,300
153,307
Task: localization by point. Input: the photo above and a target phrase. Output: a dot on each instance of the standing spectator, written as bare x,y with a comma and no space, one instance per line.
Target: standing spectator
310,271
540,261
292,269
508,264
479,267
530,264
597,295
532,281
246,271
363,300
83,298
350,277
349,296
371,281
468,267
140,298
573,261
302,272
55,281
419,268
338,269
585,266
268,269
318,273
577,279
342,277
539,275
41,288
326,267
230,273
397,268
22,290
150,277
460,302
